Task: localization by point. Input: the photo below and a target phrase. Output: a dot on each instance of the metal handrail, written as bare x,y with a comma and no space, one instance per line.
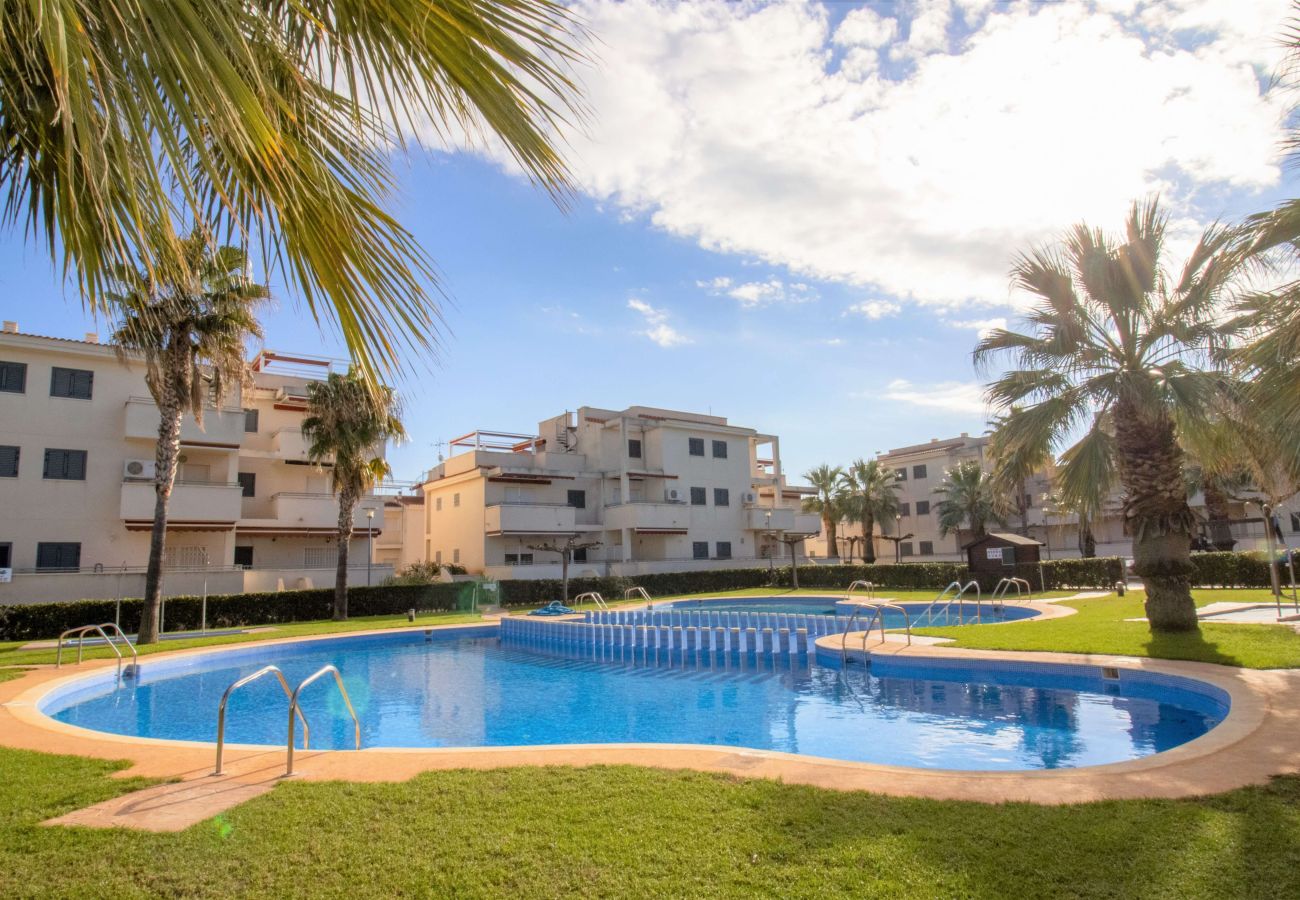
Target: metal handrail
869,586
879,614
637,592
293,707
593,597
80,632
221,710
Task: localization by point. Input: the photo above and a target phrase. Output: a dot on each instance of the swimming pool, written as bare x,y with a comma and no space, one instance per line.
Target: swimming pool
825,606
469,689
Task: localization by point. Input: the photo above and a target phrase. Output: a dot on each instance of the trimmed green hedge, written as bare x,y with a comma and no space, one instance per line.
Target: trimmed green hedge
45,620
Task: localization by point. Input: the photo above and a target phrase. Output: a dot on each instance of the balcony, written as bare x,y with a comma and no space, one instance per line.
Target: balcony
529,518
190,502
221,427
648,516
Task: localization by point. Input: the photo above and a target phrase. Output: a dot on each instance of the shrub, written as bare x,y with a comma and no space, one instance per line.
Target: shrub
44,620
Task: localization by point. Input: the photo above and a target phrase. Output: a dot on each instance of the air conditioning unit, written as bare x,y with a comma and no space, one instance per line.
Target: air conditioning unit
673,495
139,468
749,497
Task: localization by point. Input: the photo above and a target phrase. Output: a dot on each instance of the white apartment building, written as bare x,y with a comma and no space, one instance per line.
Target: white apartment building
920,469
653,490
78,432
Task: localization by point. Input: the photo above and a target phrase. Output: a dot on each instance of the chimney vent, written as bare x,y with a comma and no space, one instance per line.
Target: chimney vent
92,338
10,327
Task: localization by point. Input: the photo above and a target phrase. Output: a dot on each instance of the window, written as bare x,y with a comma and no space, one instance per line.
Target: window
905,549
455,499
922,507
6,555
578,499
918,471
13,377
904,509
580,554
721,497
719,449
900,474
58,555
8,464
455,555
699,496
244,557
696,446
65,465
700,549
634,448
1295,522
724,550
927,548
75,383
248,481
250,421
437,505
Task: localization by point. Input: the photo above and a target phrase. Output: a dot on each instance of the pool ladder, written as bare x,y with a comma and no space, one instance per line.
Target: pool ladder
81,630
295,709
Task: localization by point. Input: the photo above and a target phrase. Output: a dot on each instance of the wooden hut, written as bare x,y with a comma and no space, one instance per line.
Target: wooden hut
999,553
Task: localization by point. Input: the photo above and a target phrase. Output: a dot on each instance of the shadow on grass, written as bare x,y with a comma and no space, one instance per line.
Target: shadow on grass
1190,645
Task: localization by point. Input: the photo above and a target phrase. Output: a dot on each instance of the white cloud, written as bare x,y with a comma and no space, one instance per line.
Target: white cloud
753,294
875,309
732,125
950,396
657,328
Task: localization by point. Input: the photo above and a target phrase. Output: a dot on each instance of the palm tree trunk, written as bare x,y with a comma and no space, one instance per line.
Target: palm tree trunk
347,508
165,455
868,539
1157,516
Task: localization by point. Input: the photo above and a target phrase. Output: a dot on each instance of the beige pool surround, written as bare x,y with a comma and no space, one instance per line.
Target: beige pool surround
1259,738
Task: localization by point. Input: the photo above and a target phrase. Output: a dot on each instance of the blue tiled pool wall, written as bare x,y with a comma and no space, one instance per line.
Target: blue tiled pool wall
1199,696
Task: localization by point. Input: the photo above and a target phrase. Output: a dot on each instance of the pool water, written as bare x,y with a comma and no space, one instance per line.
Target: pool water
825,606
471,691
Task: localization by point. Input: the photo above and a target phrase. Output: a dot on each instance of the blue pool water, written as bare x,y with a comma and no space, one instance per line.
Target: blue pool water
471,691
825,606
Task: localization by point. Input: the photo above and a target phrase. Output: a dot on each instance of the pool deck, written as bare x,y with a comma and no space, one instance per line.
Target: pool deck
1259,738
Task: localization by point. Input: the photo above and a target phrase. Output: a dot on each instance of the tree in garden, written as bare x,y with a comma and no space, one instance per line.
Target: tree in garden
969,500
828,501
1116,344
871,495
277,122
192,325
347,426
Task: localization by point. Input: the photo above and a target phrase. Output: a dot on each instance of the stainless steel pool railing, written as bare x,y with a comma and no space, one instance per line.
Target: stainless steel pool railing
637,592
81,631
591,597
247,679
294,708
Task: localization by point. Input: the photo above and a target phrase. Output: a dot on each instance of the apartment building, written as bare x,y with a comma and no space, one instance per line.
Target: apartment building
77,439
920,469
650,490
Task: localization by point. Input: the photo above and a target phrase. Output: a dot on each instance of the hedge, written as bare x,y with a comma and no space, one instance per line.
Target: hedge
45,620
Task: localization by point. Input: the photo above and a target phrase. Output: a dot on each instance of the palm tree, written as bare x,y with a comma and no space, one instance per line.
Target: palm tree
193,331
348,424
277,122
829,501
872,491
969,500
1113,340
1013,466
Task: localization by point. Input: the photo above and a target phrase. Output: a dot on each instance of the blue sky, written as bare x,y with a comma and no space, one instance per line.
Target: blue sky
800,216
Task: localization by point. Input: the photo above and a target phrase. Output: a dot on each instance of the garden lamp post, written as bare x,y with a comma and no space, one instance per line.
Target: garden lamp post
370,542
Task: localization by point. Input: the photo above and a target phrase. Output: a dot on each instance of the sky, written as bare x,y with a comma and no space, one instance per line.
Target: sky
800,216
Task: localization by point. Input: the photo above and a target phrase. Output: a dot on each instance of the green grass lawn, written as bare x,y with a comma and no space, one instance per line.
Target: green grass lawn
1099,627
626,832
